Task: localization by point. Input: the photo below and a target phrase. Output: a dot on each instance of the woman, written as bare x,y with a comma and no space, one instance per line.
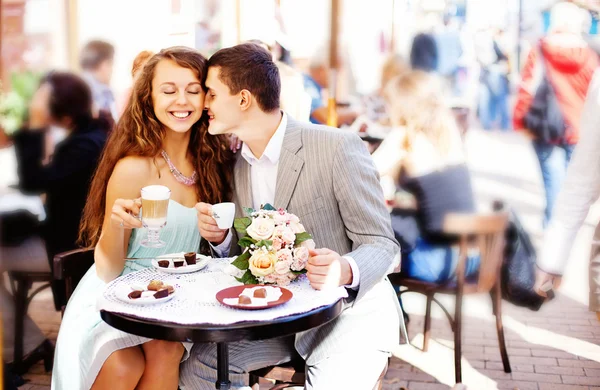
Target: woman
164,115
424,155
63,100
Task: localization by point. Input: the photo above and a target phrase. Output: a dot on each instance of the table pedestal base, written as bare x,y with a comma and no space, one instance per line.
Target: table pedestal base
223,382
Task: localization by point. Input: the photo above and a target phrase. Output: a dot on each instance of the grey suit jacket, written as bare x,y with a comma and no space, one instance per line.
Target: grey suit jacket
327,178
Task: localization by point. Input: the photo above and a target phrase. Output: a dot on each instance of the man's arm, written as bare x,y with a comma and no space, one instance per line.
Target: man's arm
362,207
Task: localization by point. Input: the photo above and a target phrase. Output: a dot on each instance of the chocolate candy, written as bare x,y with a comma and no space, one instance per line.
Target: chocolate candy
190,258
244,300
178,263
171,289
161,293
260,293
135,294
163,263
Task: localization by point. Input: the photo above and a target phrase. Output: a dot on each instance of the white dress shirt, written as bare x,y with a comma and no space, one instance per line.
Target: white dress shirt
263,176
580,189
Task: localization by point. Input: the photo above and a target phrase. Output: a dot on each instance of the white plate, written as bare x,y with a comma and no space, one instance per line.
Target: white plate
123,289
201,262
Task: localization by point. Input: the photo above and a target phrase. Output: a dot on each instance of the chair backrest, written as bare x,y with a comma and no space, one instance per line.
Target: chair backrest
71,266
484,233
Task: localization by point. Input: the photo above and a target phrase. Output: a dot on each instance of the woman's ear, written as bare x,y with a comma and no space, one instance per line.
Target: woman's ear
245,99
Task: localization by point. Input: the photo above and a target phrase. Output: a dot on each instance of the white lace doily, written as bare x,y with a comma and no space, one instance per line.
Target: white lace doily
196,303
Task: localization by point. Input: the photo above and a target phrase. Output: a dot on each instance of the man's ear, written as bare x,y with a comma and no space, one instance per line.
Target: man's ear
245,99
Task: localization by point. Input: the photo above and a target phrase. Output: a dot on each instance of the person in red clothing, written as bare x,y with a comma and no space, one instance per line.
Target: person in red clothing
569,65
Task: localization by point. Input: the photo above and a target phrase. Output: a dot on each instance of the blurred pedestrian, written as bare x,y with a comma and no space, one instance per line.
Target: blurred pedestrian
568,66
96,61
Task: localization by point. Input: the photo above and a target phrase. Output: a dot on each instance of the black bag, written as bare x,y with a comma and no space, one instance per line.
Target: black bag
519,267
544,118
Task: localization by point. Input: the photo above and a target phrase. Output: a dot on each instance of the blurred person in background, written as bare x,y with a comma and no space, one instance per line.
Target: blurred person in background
161,139
580,190
294,100
569,64
424,53
63,99
315,81
424,156
138,64
96,61
494,84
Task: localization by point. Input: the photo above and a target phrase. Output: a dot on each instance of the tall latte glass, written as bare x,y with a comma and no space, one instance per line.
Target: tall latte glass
155,202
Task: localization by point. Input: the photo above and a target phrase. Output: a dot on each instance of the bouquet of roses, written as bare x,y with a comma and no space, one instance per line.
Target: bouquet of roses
275,246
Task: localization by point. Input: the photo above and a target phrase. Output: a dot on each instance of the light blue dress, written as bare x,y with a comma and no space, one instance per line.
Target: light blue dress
84,340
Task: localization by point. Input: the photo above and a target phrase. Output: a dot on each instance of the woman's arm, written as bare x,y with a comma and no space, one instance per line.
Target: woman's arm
122,205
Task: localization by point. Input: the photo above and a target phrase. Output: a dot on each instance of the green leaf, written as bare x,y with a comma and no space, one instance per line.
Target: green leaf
268,207
248,278
241,261
245,242
299,272
262,243
241,224
248,211
301,237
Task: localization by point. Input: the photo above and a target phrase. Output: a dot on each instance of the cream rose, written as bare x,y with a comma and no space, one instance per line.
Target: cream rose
262,263
297,227
280,219
261,228
308,244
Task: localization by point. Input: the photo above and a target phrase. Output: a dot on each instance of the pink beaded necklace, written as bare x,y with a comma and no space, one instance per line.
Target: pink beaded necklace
180,177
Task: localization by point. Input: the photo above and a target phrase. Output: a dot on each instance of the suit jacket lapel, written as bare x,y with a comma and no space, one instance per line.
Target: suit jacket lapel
290,164
243,188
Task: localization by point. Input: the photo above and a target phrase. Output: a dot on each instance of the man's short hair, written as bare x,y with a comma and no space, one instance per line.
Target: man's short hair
96,52
249,66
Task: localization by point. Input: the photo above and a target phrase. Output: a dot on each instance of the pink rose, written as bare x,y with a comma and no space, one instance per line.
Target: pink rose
283,267
308,244
270,279
285,255
277,243
285,233
301,253
293,218
298,265
283,280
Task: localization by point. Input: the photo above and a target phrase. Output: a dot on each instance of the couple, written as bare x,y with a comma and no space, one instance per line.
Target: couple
324,176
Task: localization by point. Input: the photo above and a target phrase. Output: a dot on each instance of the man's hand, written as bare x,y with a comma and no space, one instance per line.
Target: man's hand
39,114
327,268
209,230
542,278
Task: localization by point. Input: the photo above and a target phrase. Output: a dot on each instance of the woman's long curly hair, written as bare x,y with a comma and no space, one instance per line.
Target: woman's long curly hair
139,133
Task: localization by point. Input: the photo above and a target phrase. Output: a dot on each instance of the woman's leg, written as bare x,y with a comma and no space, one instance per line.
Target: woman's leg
162,365
122,370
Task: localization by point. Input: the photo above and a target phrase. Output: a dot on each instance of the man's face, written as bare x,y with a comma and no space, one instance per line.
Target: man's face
105,71
223,108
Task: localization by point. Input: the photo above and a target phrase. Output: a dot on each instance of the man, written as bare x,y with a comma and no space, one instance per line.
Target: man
314,82
327,178
97,63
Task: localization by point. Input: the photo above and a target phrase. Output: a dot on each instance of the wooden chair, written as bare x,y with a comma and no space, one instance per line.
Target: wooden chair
482,232
26,264
70,267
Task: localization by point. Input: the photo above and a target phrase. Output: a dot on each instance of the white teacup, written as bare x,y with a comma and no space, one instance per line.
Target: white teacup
224,213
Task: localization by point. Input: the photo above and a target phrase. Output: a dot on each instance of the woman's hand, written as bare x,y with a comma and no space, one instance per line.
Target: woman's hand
125,212
234,143
39,115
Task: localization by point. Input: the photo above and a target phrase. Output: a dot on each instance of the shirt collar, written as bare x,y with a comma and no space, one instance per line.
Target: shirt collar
273,149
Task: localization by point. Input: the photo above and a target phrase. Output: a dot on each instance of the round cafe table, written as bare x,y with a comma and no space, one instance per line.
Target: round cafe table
224,334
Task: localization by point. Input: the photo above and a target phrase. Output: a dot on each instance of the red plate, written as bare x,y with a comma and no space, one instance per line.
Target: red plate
234,292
